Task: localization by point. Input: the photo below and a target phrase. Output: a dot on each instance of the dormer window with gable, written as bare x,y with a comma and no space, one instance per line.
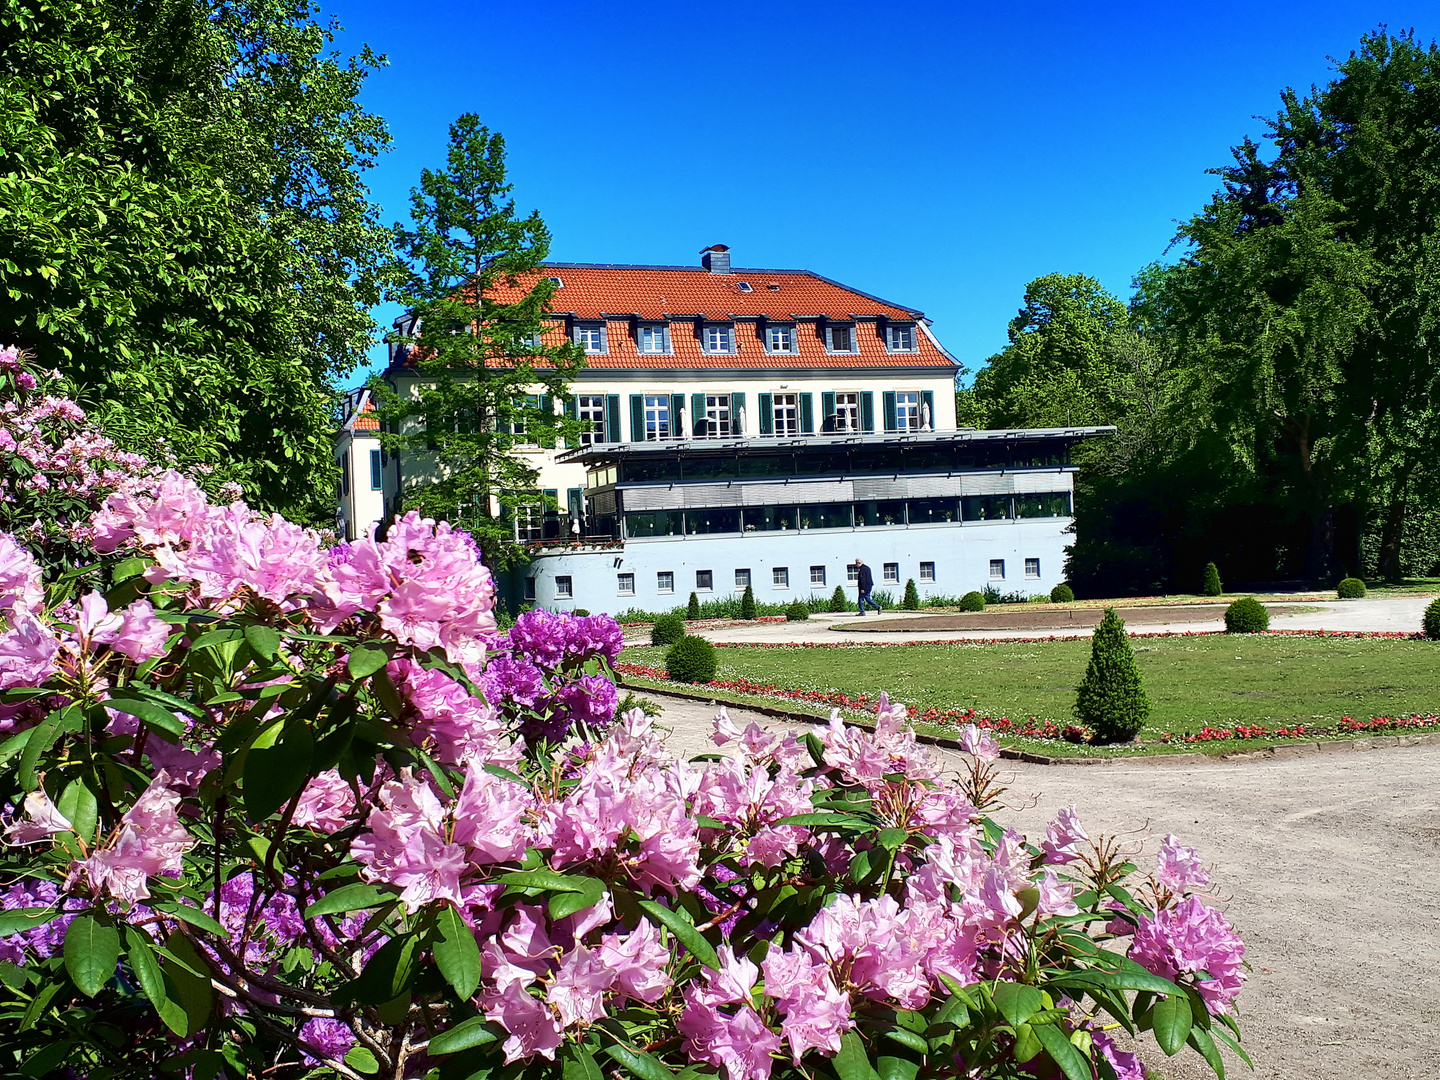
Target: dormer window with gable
654,340
718,339
840,339
900,338
780,339
591,337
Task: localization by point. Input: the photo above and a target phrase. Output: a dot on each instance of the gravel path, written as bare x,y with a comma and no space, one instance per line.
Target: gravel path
1328,863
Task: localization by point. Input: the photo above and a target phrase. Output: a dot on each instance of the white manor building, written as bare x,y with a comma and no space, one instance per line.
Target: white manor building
759,427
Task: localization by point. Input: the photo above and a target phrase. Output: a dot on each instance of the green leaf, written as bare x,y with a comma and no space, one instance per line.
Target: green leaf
366,660
568,903
1017,1002
193,990
826,821
1205,1046
640,1064
357,896
893,1067
362,1060
217,637
851,1062
1233,1044
579,1064
80,807
891,839
1027,1044
457,954
387,976
42,738
128,569
264,640
678,925
92,949
192,915
1062,1051
26,918
908,1039
477,1031
275,774
157,716
1171,1021
151,977
189,708
546,880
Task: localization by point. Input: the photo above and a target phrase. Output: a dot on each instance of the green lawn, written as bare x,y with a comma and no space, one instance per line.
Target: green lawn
1217,680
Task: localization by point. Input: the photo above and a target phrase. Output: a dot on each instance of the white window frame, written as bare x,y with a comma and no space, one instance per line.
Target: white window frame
529,523
785,414
997,569
852,573
927,573
592,337
742,578
646,340
590,408
625,584
712,336
564,587
849,338
656,407
901,338
709,585
717,416
847,410
665,581
1032,563
890,573
780,577
907,409
775,335
817,576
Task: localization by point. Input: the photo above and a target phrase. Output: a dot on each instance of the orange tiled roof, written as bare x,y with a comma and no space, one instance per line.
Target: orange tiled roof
363,418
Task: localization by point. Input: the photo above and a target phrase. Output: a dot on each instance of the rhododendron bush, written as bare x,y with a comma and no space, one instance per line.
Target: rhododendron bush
280,809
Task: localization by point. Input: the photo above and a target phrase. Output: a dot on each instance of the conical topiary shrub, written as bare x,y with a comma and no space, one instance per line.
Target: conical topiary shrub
692,609
1430,624
838,601
1212,586
1110,700
747,603
912,596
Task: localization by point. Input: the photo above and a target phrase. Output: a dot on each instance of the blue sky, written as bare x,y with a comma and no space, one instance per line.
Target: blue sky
940,155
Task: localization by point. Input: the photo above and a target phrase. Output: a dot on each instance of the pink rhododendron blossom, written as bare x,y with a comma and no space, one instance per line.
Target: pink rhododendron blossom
742,1043
28,650
140,636
578,989
491,816
533,1026
450,723
1188,938
406,845
20,582
638,960
753,801
979,743
1178,867
1056,897
816,1013
149,842
326,805
42,821
1061,838
864,757
1126,1065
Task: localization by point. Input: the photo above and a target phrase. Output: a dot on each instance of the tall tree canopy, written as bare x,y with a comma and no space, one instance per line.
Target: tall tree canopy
485,381
184,229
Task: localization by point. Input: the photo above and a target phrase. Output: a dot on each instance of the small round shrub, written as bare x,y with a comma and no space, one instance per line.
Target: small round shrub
1062,594
1430,624
667,630
1246,616
581,612
1110,700
747,603
1211,585
1351,588
691,660
692,609
972,601
912,596
838,601
798,611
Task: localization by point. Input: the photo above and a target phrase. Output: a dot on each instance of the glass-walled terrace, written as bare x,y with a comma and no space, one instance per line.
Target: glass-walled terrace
934,511
839,461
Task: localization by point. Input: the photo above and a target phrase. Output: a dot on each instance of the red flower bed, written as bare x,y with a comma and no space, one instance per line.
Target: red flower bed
1395,634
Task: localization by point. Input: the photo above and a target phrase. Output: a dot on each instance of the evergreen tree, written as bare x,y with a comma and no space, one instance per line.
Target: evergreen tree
692,609
1212,586
838,600
1111,700
747,603
912,596
488,382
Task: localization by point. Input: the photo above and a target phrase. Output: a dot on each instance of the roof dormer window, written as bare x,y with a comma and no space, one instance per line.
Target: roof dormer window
718,339
654,340
780,339
591,337
557,283
840,339
900,338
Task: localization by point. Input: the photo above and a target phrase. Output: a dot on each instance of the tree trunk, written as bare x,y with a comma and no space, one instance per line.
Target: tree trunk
1392,525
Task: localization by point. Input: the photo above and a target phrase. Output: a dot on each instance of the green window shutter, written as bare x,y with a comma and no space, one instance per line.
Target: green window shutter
827,412
698,425
572,407
677,413
807,414
928,397
737,403
890,422
767,414
867,411
575,498
637,417
547,414
612,419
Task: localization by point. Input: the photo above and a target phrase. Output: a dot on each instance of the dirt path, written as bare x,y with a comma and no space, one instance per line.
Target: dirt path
1328,864
1017,618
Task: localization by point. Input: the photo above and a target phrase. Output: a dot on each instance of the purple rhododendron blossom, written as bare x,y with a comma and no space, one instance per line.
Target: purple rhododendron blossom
1189,938
331,1039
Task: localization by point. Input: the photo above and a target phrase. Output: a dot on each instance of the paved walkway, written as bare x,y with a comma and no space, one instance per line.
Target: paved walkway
1400,614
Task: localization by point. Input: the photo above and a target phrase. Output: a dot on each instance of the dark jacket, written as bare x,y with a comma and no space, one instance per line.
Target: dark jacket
865,579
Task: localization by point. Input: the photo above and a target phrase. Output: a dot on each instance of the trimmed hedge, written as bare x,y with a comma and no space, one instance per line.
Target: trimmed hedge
1062,594
972,601
1110,699
667,630
1246,616
691,660
1430,624
1351,588
798,611
1211,586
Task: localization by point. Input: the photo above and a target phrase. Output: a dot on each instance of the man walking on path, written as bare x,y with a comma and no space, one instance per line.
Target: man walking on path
866,581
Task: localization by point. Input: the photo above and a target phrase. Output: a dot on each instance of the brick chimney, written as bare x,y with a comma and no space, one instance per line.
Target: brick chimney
716,259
